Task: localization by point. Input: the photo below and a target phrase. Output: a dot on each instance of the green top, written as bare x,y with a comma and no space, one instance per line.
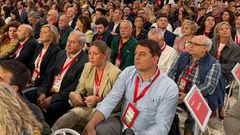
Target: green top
126,53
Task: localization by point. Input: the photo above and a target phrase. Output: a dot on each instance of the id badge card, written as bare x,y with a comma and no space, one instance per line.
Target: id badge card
129,115
56,84
117,63
35,75
182,84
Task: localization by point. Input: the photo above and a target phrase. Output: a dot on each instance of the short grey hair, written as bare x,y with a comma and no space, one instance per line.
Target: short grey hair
204,41
33,15
208,42
156,31
81,37
129,23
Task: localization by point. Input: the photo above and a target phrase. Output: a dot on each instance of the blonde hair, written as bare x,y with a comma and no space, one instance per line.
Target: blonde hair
217,28
151,17
15,116
54,38
192,24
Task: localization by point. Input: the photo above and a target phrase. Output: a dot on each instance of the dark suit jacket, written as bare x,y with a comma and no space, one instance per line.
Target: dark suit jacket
147,25
107,37
130,18
23,16
47,62
27,51
169,38
142,35
70,79
74,22
37,28
111,26
64,36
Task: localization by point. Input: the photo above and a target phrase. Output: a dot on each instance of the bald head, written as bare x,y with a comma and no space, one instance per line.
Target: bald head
24,32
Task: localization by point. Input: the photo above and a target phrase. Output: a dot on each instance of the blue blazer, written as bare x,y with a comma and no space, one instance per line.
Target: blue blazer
169,38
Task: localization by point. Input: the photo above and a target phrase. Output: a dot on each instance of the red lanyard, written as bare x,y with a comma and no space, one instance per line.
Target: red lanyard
135,97
162,49
189,70
65,66
217,54
98,82
18,49
119,47
39,59
236,38
205,33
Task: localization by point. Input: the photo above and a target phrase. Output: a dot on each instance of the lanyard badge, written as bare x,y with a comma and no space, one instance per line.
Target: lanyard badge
183,81
56,84
131,112
35,75
129,115
182,84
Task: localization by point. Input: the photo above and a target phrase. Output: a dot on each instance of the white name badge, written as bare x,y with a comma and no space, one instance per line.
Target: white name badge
182,84
117,63
35,75
129,115
56,84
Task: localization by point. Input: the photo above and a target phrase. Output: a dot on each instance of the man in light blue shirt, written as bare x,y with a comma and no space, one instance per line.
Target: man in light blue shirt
143,86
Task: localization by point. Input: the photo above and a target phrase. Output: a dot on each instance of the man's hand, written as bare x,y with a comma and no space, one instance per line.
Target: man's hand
89,130
76,99
181,97
46,102
91,101
40,99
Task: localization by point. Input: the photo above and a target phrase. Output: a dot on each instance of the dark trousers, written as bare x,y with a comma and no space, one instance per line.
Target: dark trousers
54,111
189,122
111,126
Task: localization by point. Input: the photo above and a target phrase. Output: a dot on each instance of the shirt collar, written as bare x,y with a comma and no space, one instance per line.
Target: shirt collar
150,78
68,56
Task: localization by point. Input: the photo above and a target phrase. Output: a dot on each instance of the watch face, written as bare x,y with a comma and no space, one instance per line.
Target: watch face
128,131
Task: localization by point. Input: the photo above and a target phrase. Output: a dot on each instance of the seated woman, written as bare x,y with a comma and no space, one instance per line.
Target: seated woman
181,44
97,79
8,40
15,116
83,25
207,27
227,52
45,54
139,32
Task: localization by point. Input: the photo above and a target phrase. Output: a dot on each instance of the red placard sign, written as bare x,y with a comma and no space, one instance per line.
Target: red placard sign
198,107
236,72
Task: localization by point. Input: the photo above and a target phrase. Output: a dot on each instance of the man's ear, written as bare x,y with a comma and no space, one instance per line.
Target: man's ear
156,59
15,88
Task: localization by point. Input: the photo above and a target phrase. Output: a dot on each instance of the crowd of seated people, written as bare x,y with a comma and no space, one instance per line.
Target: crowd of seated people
111,67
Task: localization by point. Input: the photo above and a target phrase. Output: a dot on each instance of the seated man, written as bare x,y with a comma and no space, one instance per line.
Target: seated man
52,95
149,98
102,32
168,53
195,67
122,46
64,29
26,47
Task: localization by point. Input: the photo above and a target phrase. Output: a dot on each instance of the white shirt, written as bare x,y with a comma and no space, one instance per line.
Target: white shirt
166,59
